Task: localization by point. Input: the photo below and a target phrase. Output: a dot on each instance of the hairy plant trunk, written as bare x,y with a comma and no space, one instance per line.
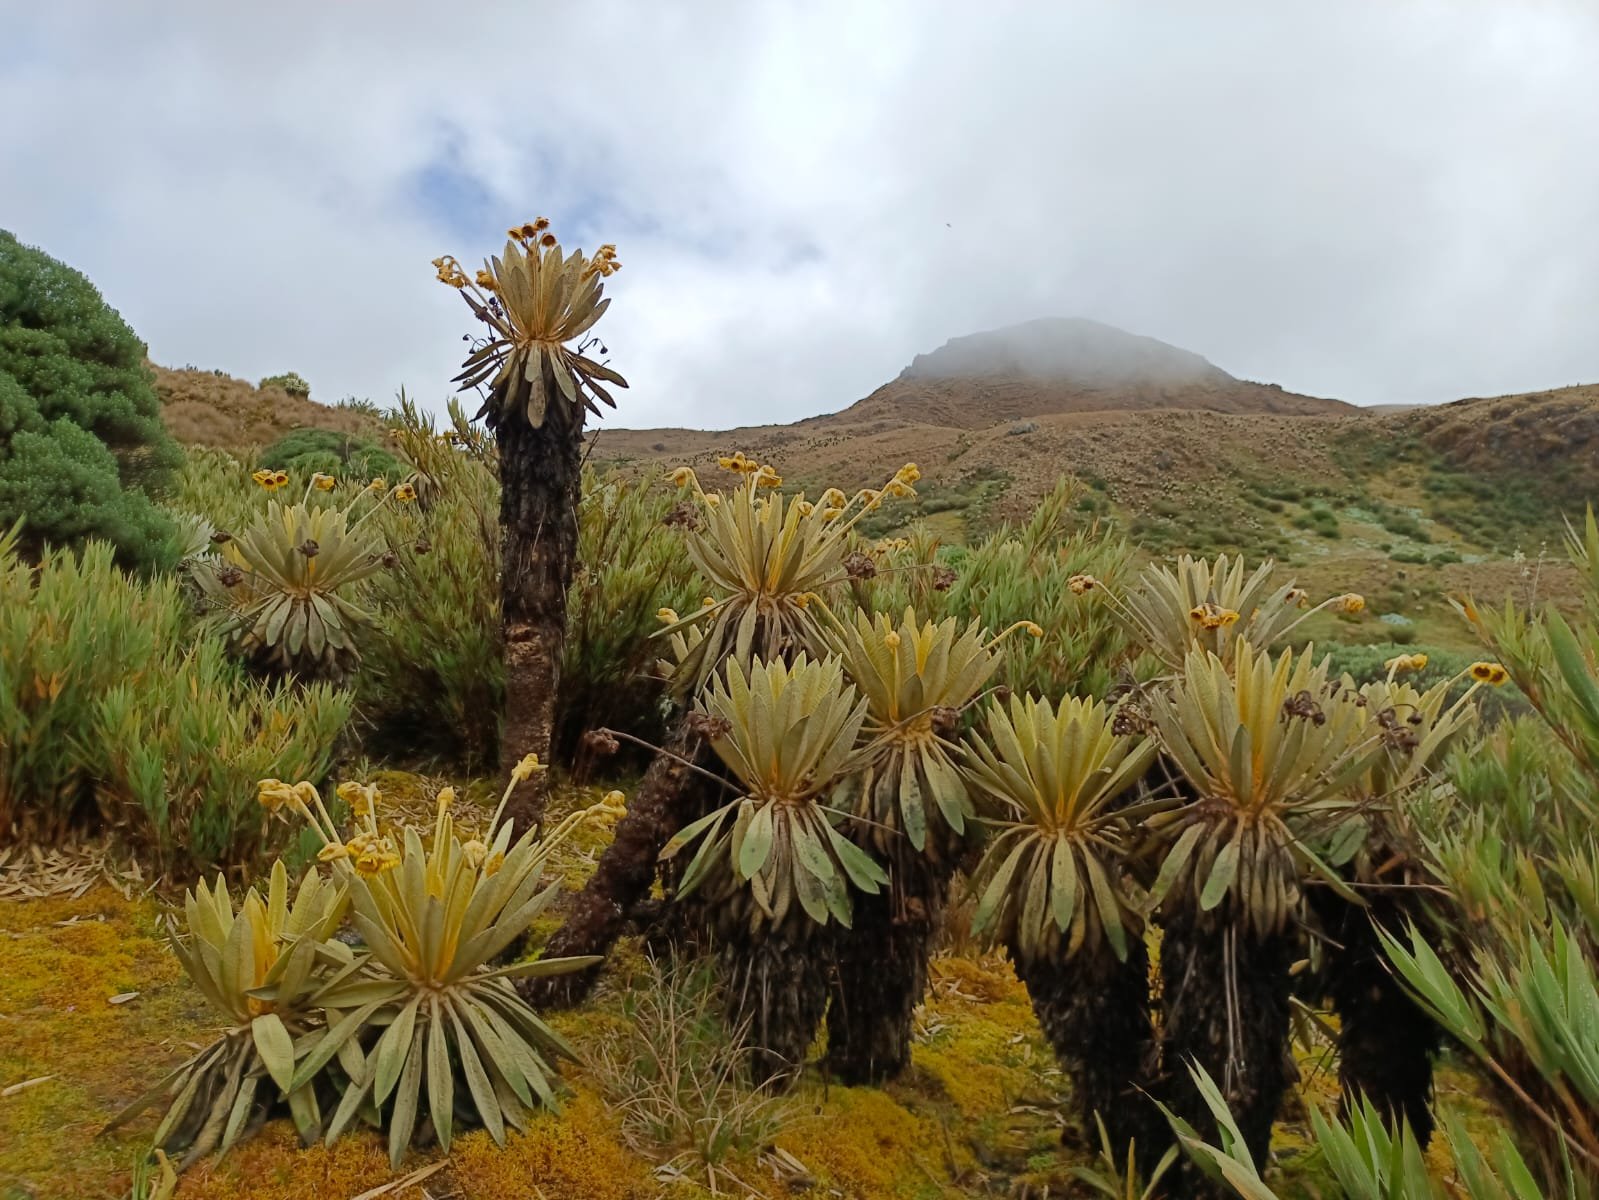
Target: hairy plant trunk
1386,1043
1225,1001
881,975
1095,1011
622,878
776,989
540,489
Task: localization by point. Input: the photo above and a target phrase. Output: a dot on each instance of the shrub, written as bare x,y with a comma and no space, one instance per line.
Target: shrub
81,439
303,451
432,676
114,717
289,382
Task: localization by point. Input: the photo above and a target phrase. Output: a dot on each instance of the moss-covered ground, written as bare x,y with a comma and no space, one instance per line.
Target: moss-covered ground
979,1114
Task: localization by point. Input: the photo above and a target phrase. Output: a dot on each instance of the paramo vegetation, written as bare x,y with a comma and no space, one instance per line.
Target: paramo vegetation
1133,781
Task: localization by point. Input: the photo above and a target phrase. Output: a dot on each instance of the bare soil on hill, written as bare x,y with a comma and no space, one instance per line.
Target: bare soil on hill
203,408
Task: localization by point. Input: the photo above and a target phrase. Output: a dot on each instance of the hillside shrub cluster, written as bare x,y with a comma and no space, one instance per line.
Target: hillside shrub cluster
81,440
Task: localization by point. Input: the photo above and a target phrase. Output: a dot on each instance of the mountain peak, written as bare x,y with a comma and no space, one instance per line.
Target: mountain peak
1066,350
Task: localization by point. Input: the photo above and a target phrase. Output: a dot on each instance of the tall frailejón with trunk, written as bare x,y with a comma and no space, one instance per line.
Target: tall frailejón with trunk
538,303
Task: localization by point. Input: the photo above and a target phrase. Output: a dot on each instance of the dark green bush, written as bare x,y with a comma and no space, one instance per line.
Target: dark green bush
81,439
306,450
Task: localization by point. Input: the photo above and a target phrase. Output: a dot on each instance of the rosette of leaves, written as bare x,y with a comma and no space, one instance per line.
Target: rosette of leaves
1269,750
775,871
535,300
260,968
1055,781
764,558
1213,606
911,812
1386,1042
426,1018
284,585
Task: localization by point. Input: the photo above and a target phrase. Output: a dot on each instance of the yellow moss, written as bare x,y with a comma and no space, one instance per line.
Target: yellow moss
865,1143
574,1156
55,1020
273,1166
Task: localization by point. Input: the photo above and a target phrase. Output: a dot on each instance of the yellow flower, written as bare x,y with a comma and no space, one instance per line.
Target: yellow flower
323,483
891,640
487,282
803,600
708,602
1351,602
1228,616
445,799
263,477
379,484
734,462
474,852
405,493
494,863
873,498
1298,597
712,500
683,476
768,478
667,616
280,479
908,474
1406,662
833,498
524,769
806,508
1489,672
305,795
547,240
1082,583
332,851
897,489
372,862
362,798
273,794
1034,629
1197,613
829,514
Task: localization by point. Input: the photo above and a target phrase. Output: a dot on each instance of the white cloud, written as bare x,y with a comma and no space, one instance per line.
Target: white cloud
1379,201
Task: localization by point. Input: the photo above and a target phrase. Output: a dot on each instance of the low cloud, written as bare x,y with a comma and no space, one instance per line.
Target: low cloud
1385,202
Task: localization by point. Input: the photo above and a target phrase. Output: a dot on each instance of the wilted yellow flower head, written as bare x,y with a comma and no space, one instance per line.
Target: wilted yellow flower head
1033,628
712,500
683,476
446,798
1298,597
1213,616
449,271
908,474
872,496
474,852
378,484
1489,672
833,498
323,483
332,851
708,602
378,856
1406,662
891,639
361,797
405,493
273,794
524,769
768,478
806,508
667,616
487,282
1082,583
898,489
1351,602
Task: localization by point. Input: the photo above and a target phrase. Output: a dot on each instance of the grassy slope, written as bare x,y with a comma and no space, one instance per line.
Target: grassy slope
979,1114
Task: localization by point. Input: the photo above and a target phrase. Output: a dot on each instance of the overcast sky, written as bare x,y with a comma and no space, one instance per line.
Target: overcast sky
1389,202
